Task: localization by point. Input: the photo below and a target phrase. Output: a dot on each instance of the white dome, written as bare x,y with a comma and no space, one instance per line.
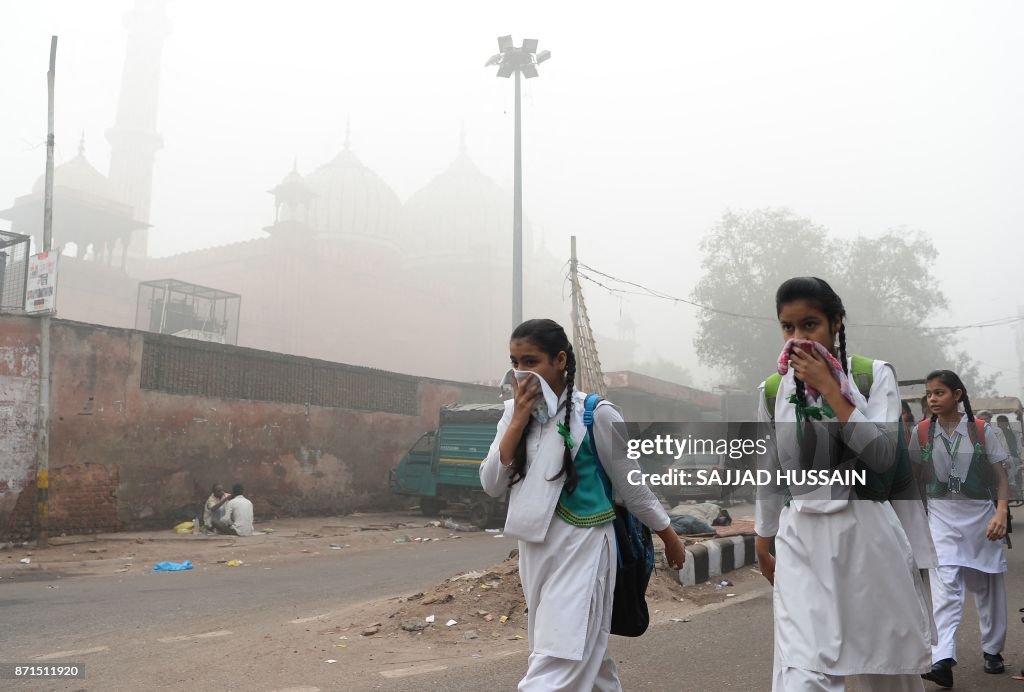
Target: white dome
79,176
350,199
462,214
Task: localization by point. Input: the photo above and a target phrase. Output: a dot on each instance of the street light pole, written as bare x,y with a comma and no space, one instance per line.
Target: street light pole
522,60
517,216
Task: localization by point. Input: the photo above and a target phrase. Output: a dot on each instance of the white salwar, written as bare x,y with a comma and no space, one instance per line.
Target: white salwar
567,572
848,595
967,559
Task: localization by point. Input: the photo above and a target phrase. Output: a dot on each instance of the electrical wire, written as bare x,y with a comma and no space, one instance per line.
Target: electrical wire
653,293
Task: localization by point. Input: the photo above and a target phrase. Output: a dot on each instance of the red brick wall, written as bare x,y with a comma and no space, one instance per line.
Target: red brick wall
122,456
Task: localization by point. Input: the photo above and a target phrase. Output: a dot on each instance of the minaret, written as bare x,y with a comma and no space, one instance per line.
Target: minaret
134,140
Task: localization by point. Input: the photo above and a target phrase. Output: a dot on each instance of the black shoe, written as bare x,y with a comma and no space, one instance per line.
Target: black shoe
942,673
994,663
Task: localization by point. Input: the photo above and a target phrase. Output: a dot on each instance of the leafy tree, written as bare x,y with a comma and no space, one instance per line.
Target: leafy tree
886,284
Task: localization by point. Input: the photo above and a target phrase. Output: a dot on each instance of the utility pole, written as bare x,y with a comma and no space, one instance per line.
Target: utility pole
522,60
588,364
43,441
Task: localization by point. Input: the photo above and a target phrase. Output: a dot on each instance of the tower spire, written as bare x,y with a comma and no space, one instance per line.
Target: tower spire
348,133
134,139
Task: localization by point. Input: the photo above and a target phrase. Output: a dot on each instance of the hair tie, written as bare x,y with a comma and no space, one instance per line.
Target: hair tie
566,435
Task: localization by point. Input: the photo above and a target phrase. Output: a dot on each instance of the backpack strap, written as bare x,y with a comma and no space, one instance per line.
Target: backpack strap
771,392
589,406
863,372
924,432
977,432
588,411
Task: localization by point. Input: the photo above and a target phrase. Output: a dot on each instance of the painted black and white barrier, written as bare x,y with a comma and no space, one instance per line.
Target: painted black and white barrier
715,557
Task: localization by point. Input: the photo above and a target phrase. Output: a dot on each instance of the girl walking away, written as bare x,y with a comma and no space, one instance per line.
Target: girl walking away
561,511
848,595
963,458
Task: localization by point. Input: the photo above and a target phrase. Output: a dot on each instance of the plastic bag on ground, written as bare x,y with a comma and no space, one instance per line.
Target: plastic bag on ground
172,566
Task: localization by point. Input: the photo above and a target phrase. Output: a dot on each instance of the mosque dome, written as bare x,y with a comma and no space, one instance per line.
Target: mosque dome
350,199
80,177
462,215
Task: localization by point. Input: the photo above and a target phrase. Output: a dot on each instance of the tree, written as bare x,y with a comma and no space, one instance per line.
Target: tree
886,284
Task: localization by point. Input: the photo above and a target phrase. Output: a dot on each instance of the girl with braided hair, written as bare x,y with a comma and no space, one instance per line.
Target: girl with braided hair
848,595
560,511
969,529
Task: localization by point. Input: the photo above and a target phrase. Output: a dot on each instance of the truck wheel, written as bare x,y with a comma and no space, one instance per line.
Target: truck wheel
481,513
430,506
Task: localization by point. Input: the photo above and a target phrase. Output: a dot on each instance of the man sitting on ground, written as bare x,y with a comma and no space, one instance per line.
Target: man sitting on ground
214,506
237,517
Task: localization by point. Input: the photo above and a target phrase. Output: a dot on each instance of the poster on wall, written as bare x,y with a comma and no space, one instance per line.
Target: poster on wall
41,290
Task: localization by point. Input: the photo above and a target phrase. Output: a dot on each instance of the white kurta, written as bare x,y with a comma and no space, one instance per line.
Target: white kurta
848,596
568,572
958,525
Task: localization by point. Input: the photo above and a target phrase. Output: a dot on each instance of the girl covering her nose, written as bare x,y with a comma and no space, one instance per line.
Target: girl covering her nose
561,512
848,596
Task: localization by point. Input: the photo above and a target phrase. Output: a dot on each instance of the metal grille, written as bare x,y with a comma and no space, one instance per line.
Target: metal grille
208,370
14,250
169,306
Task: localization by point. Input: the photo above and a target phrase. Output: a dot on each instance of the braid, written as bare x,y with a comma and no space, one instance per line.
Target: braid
842,348
801,392
568,467
967,406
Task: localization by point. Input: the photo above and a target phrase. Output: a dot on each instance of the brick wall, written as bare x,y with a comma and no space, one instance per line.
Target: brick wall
142,425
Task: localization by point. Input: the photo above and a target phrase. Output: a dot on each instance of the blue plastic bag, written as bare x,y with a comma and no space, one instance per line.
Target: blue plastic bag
172,566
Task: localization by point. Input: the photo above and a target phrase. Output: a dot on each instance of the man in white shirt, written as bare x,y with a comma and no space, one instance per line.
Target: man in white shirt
237,516
214,506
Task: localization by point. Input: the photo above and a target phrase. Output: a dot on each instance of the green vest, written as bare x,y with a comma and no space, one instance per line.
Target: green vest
590,504
979,481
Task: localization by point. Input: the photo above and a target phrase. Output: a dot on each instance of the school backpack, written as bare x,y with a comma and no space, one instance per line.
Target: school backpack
877,486
635,549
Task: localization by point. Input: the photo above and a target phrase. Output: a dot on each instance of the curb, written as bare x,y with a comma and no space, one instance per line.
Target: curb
714,558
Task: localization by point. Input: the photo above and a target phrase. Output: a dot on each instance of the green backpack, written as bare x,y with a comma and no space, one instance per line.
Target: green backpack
877,486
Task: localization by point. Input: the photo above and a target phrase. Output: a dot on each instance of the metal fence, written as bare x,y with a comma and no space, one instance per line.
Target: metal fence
14,252
169,306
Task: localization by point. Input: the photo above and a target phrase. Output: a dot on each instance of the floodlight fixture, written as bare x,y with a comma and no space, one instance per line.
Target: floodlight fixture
530,45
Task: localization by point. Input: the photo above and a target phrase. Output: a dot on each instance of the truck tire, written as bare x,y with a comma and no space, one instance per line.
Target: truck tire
430,506
481,513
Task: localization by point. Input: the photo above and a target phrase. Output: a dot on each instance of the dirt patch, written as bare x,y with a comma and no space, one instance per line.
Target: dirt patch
111,554
489,605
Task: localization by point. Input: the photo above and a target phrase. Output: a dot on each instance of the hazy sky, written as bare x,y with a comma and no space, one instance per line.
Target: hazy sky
650,120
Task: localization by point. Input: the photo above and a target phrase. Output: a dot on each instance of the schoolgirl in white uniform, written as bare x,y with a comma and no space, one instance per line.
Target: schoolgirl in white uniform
561,514
968,528
848,596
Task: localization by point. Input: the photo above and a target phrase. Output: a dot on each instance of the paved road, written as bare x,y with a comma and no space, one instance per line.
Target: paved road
253,642
126,616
